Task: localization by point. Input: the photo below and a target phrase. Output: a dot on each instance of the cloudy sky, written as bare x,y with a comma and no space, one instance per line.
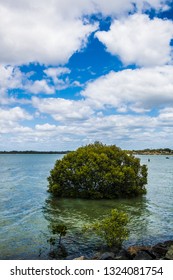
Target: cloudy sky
77,71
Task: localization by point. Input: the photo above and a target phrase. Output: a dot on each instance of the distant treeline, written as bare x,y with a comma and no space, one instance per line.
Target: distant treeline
161,151
34,152
165,151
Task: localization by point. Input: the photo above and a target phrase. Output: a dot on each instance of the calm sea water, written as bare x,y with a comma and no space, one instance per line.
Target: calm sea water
27,210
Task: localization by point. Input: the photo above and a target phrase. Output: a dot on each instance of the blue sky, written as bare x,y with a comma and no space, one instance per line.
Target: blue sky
73,72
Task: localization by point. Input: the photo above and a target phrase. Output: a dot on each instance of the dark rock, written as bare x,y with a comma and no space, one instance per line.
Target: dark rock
97,256
107,256
169,254
143,255
159,250
70,257
80,258
123,255
168,243
133,250
114,249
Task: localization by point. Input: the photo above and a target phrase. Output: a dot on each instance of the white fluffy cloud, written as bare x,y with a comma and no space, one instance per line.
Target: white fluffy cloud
56,75
39,86
45,127
139,40
36,32
166,116
62,109
10,118
126,131
11,77
119,8
138,90
49,33
13,115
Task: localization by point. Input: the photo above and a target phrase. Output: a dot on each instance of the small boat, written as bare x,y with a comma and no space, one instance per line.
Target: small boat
167,157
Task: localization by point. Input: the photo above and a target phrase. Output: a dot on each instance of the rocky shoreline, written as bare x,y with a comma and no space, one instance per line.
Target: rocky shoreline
159,251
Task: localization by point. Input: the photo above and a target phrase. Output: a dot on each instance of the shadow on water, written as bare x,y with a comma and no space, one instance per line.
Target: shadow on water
75,213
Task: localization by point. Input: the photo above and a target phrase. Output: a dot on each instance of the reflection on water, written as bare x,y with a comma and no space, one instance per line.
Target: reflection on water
75,213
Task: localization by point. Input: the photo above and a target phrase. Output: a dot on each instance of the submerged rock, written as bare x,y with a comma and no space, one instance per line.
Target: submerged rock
169,254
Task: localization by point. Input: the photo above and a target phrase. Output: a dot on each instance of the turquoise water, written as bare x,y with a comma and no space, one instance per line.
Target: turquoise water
27,210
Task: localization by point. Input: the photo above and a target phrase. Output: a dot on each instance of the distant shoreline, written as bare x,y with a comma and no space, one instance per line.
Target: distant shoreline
164,151
151,154
33,152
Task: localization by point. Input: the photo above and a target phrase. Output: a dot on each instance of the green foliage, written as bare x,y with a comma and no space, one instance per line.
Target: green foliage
112,229
52,241
98,171
60,229
57,249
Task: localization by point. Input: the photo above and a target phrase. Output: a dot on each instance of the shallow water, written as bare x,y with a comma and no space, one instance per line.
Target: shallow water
27,210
